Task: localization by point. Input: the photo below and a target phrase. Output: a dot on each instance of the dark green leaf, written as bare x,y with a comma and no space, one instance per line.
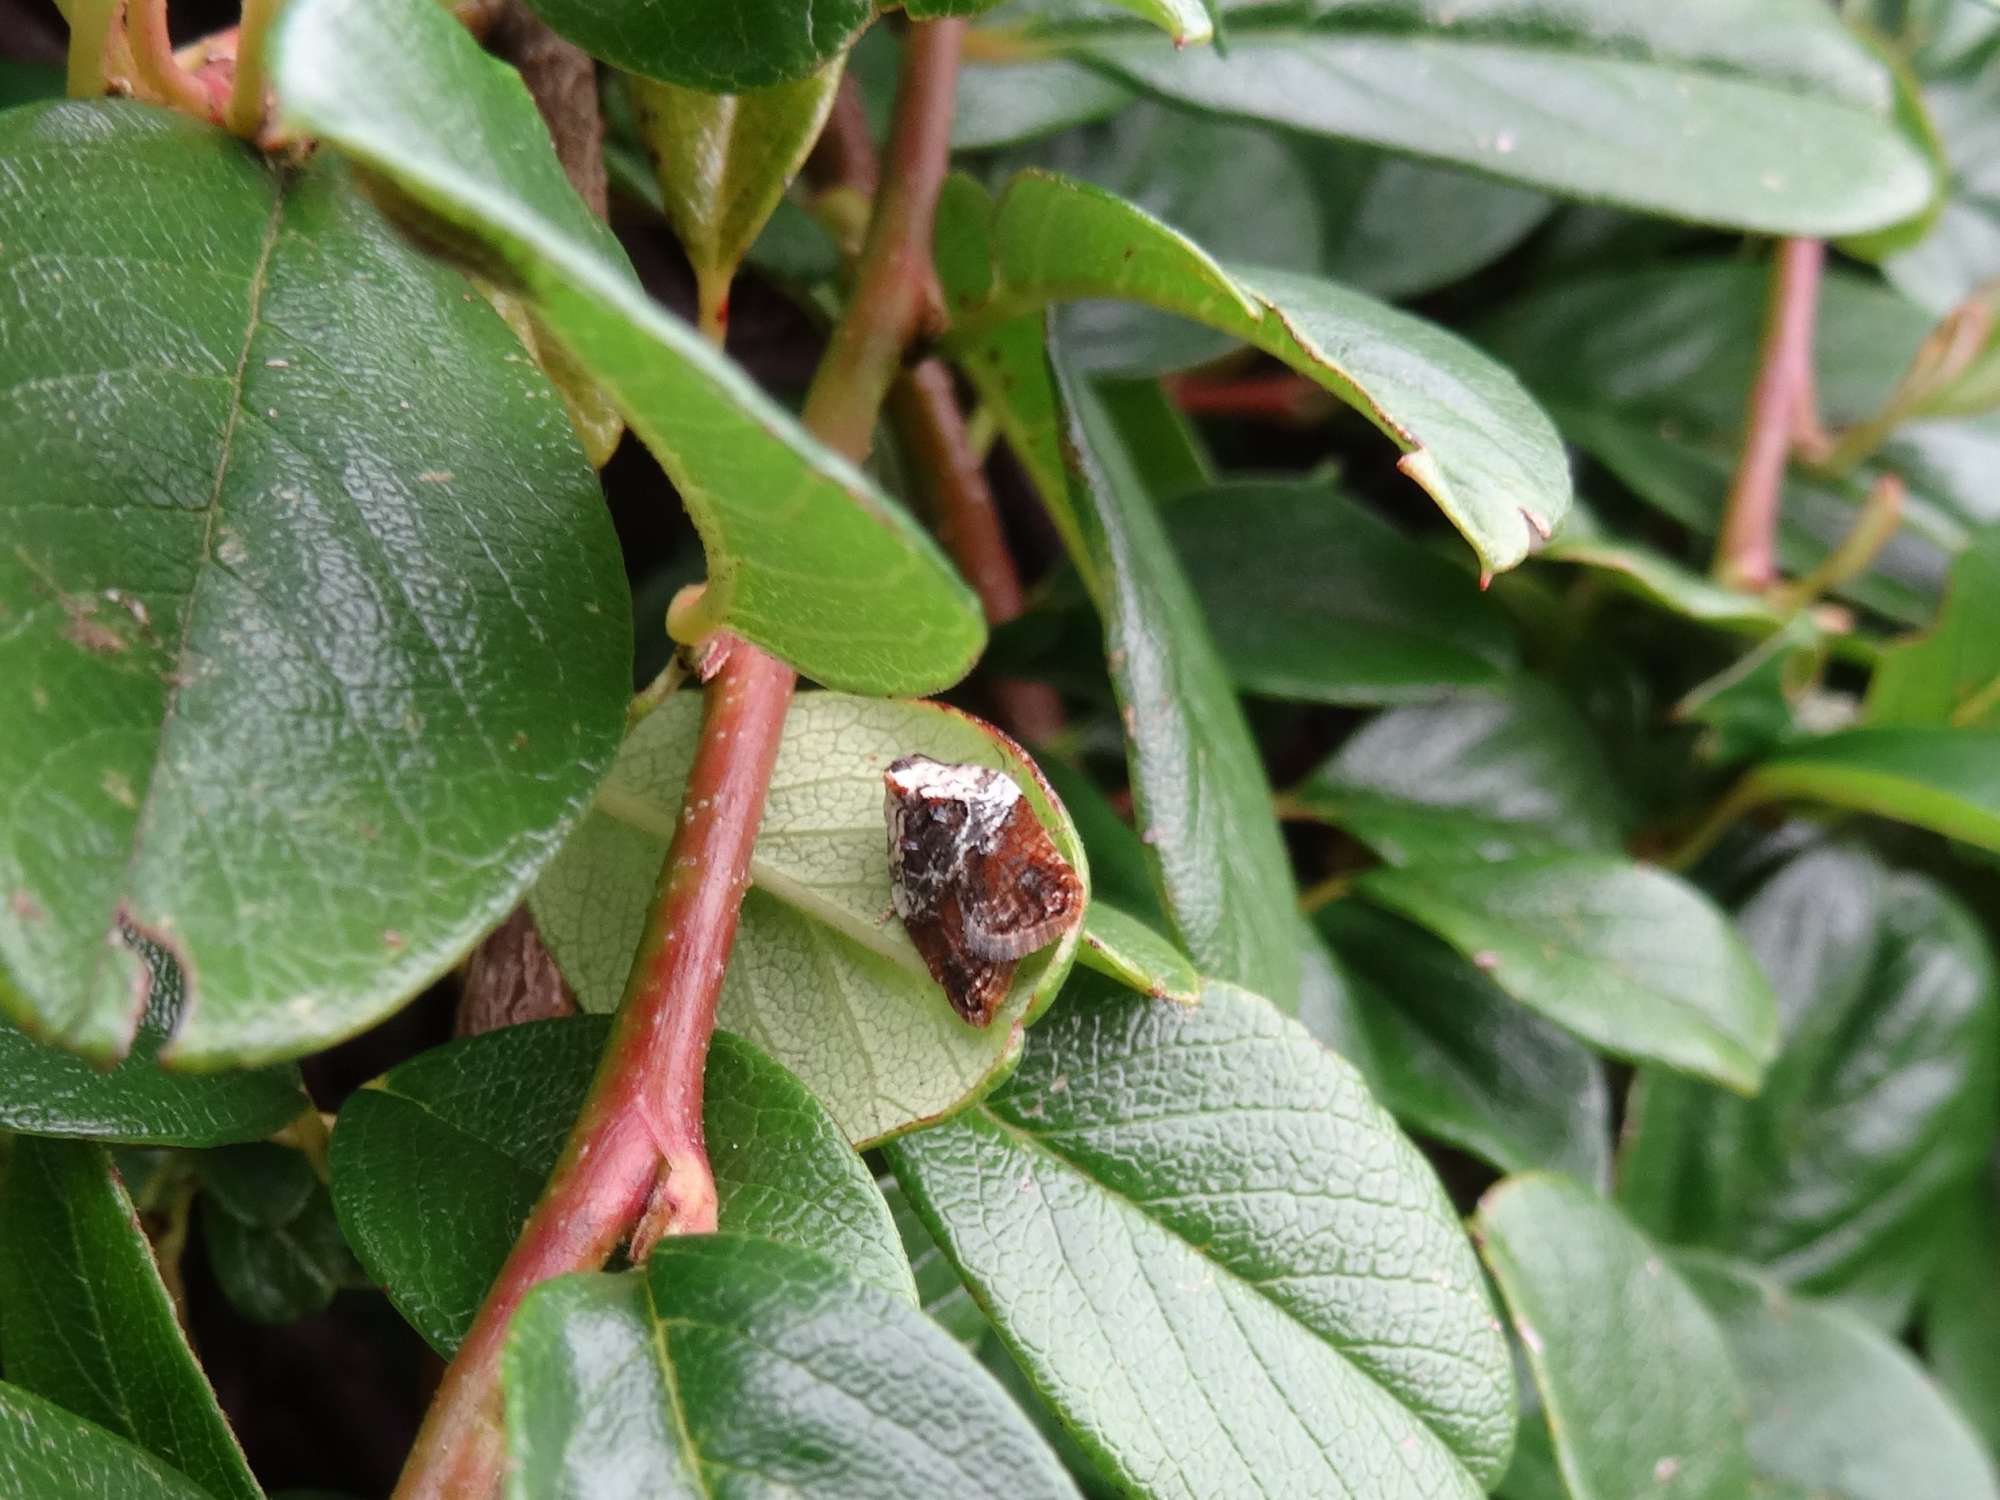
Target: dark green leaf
1634,1373
1877,1109
939,1291
405,90
86,1321
1479,776
1622,954
747,44
1457,1058
273,1240
437,1164
738,1365
1951,674
1835,1407
1751,707
321,635
1943,779
51,1454
1961,1319
1218,1259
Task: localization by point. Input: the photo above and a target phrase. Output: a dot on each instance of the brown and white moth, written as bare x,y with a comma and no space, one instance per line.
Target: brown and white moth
976,879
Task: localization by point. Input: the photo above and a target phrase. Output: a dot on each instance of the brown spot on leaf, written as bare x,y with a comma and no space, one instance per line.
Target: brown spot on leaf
118,787
86,630
1486,960
26,907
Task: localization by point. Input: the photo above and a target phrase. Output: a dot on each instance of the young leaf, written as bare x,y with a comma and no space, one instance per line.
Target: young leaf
806,558
436,1165
1878,1108
87,1322
1661,581
1218,1259
1757,114
54,1454
736,1364
335,659
747,44
1950,675
1477,776
1633,1372
1835,1407
1455,1057
1947,780
272,1237
1623,955
1120,945
1314,597
823,977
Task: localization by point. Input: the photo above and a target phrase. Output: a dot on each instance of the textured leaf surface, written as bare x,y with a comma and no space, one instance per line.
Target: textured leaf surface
806,558
1760,114
87,1322
1634,1373
1218,1259
53,1454
723,49
1878,1109
437,1164
1942,779
822,977
320,639
1455,1057
1477,776
733,1365
1119,944
1624,955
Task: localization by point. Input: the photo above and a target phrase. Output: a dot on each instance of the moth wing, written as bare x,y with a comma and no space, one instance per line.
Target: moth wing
975,985
1019,896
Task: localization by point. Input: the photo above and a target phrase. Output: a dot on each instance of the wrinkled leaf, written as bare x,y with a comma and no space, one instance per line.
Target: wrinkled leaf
320,635
1217,1258
436,1165
54,1454
806,558
731,1364
939,1291
273,1240
1120,945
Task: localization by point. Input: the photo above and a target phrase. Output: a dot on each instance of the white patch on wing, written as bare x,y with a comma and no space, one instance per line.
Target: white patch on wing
924,777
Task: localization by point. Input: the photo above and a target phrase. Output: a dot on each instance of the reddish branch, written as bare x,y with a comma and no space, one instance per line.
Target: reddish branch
1746,550
635,1163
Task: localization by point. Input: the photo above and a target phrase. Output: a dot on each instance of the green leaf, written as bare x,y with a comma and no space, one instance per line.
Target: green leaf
1961,1315
822,976
273,1240
1661,581
1835,1407
1961,250
1477,776
1878,1108
321,637
1751,707
1453,1056
1755,114
87,1322
1006,103
1120,945
738,1365
1314,597
1469,435
1623,955
1950,675
1634,1373
436,1165
1218,1259
1943,779
53,1454
748,44
45,1091
942,1296
806,557
1198,787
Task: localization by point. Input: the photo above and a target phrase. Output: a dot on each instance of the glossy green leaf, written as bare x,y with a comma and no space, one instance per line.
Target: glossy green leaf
1312,596
1758,114
1835,1407
1198,788
1453,1056
436,1165
1622,954
1633,1371
822,976
1218,1259
86,1321
1961,1314
1961,249
806,558
46,1091
1943,779
354,640
738,1365
747,44
273,1241
1476,776
1119,944
1469,435
1950,675
53,1454
1878,1107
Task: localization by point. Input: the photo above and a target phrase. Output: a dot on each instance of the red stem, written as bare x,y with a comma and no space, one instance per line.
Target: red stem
1746,549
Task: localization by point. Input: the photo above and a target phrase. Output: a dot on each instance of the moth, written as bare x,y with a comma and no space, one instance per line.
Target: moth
974,876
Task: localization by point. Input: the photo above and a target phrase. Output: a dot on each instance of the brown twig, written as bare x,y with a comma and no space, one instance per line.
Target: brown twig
1746,549
562,80
635,1162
